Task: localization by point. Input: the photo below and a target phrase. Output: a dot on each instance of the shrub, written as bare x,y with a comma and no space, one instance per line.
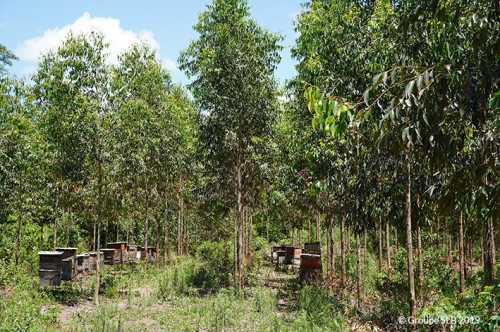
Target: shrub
215,265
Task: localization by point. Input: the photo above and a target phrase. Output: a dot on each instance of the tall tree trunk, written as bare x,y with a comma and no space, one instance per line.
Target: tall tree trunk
98,241
19,230
342,250
240,225
380,245
68,225
348,238
308,230
461,251
388,248
55,222
409,246
449,260
318,227
235,247
489,259
358,264
165,233
146,231
420,265
330,263
364,246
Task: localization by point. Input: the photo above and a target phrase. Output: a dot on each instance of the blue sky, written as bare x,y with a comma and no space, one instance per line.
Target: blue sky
28,27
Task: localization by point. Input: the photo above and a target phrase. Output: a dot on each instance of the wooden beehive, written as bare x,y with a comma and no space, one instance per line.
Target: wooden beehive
312,248
310,268
109,256
290,252
82,263
68,268
274,253
132,253
296,256
281,257
151,253
50,268
120,251
93,260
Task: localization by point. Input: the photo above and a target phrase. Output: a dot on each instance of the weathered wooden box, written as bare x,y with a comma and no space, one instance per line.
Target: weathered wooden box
274,253
291,253
151,251
93,260
109,256
132,253
68,270
310,268
312,248
82,263
50,268
120,255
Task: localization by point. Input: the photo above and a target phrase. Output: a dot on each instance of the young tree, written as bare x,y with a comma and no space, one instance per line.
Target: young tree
232,64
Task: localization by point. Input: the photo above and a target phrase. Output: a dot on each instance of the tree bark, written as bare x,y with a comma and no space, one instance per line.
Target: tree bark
488,252
99,214
388,248
19,230
342,250
461,252
449,260
240,225
165,233
358,264
409,246
420,265
318,227
329,248
68,225
380,255
146,231
55,222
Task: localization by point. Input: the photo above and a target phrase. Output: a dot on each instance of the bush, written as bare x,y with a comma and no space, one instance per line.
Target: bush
177,278
215,265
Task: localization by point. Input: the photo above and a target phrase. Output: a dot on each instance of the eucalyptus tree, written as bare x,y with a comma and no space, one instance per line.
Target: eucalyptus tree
141,85
21,152
232,64
72,88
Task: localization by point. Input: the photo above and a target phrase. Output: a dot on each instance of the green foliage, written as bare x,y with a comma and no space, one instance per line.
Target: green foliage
177,279
318,310
215,266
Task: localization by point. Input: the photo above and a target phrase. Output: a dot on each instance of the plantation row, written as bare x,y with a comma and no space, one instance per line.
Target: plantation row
384,148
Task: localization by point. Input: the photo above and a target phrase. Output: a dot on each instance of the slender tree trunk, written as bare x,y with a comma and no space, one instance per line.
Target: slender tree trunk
396,239
364,246
348,238
240,226
308,230
106,230
318,227
19,231
342,251
409,245
68,225
267,229
388,249
146,231
461,251
380,255
449,260
330,258
235,247
165,233
489,258
55,222
420,265
99,215
358,264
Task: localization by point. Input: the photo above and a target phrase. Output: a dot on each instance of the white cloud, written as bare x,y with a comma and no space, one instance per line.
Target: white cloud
170,65
118,38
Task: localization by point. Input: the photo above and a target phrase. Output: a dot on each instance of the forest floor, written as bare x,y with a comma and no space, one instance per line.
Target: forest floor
271,304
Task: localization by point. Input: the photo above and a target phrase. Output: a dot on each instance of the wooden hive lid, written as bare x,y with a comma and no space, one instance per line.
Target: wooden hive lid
50,253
